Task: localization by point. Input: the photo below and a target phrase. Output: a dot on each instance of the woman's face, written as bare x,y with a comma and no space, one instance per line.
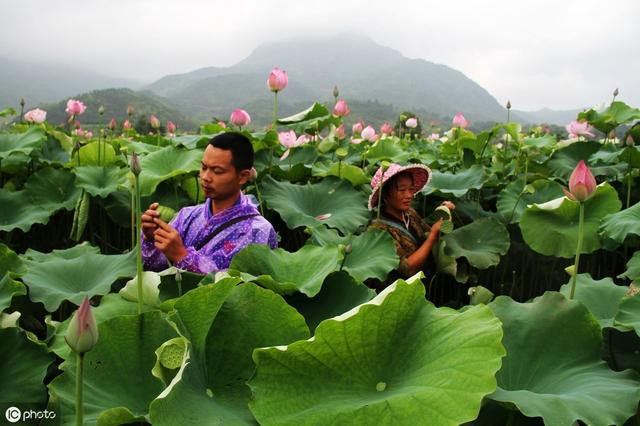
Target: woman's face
400,195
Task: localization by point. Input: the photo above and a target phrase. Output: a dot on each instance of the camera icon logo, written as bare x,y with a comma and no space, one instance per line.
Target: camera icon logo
13,414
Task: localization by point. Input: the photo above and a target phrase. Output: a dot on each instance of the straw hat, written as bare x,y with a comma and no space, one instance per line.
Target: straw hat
421,176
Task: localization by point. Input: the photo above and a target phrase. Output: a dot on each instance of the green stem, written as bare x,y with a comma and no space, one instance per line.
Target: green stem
259,198
340,168
526,169
133,220
275,109
578,250
79,385
138,245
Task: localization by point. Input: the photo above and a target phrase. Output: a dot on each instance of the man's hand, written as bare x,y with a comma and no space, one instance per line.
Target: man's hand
149,226
168,241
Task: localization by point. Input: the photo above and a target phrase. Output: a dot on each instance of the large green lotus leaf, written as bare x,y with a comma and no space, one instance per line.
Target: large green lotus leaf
628,315
138,147
552,228
601,297
10,261
633,267
21,142
612,154
47,191
52,152
305,155
513,200
94,154
9,288
100,181
191,141
285,272
542,142
340,292
616,114
481,242
332,202
373,253
52,189
553,368
314,118
618,226
396,360
224,324
166,163
456,184
118,384
342,170
564,161
386,149
23,367
73,273
111,306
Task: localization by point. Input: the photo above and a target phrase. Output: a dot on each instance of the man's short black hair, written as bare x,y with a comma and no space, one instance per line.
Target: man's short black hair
240,147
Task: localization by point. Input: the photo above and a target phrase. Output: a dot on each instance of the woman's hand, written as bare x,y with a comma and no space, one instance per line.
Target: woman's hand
435,231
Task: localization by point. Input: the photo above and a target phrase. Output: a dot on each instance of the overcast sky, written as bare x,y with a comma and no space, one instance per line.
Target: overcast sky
560,54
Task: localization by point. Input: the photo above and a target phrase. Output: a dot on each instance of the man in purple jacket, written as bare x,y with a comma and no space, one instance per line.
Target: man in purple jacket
204,238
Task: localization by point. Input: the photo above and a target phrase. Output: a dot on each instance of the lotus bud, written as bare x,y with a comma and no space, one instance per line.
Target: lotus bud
240,117
336,92
340,132
130,110
253,174
386,128
348,248
629,141
369,134
75,107
582,184
171,127
508,104
113,124
101,110
615,92
126,125
82,333
154,122
357,127
460,121
135,164
277,80
341,109
411,123
21,102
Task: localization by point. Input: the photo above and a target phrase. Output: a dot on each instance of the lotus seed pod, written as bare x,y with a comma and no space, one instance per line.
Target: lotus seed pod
166,213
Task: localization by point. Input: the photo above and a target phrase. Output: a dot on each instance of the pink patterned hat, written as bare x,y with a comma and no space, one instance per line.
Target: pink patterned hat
421,176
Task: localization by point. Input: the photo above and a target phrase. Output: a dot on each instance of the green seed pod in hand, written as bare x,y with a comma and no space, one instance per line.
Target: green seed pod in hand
166,213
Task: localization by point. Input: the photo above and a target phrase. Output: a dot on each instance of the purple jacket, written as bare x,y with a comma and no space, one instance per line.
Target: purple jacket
195,223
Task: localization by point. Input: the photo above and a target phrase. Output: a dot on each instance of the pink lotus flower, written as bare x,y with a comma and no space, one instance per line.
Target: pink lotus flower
75,107
88,134
582,184
386,128
35,116
369,134
357,128
126,125
460,121
411,123
82,332
277,80
113,124
355,141
579,128
433,136
154,122
222,124
240,117
303,139
288,139
341,109
340,133
171,127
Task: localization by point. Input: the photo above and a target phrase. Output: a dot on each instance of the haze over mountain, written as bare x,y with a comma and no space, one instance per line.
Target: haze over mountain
377,81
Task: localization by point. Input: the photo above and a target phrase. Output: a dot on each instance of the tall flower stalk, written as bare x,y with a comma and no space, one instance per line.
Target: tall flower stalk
135,169
582,185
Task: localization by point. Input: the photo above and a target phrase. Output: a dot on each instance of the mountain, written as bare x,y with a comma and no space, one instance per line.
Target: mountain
363,71
38,83
548,116
115,102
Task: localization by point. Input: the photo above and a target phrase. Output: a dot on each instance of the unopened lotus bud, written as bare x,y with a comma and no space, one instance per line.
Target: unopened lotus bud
112,124
629,141
253,174
22,102
82,333
348,248
336,92
615,92
101,110
135,164
154,122
508,104
130,110
166,213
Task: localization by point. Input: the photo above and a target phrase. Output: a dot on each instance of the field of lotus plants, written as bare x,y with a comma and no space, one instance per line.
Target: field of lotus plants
527,313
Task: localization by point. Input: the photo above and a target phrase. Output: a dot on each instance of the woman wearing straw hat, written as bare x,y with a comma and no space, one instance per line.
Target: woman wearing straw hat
393,191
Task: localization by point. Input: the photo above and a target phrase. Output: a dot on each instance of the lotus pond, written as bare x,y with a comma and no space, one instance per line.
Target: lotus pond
494,334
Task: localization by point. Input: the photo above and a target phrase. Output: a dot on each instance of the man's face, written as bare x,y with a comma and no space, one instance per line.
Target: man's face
219,178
